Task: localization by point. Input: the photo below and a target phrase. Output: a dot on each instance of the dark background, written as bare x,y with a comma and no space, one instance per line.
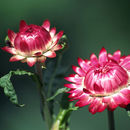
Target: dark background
89,25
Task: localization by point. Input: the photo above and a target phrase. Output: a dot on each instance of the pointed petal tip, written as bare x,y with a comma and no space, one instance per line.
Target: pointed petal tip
60,33
16,58
22,24
103,50
103,58
50,54
9,50
31,61
53,32
79,59
46,24
11,35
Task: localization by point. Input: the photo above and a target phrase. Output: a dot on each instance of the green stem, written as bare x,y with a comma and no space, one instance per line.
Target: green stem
44,105
60,118
53,75
111,122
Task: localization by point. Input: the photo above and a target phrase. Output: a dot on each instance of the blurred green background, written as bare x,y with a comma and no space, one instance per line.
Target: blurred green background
89,25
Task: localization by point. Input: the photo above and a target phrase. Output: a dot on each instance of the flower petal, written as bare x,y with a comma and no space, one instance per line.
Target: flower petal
16,58
83,101
31,61
50,54
103,56
58,36
117,55
126,63
83,64
75,79
78,70
22,25
56,47
11,36
94,59
9,49
52,32
46,25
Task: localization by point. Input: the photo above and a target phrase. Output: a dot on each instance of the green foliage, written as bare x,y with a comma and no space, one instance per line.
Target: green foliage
6,39
64,42
6,84
59,91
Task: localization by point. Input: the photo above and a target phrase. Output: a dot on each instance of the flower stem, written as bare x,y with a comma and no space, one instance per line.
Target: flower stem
44,105
59,57
59,120
111,122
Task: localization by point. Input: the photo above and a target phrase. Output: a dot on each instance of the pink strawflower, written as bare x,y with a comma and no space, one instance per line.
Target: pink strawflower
33,43
102,83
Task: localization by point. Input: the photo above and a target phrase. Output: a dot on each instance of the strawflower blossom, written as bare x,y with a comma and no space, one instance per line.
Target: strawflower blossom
33,43
102,82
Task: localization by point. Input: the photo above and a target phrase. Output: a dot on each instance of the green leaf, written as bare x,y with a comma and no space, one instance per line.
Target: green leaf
64,42
59,91
6,39
6,84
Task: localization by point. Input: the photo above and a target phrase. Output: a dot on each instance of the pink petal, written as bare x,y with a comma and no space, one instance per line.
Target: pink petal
22,25
94,59
75,93
46,25
117,55
10,50
24,47
57,47
83,64
52,32
94,106
112,105
16,58
31,61
50,54
39,53
78,70
98,89
11,36
73,86
102,107
58,36
118,99
126,63
83,102
103,56
75,79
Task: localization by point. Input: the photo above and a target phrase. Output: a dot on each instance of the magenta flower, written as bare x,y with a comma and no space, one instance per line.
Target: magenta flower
102,83
33,43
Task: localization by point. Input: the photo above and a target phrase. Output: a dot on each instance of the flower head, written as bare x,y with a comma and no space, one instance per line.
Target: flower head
102,82
33,43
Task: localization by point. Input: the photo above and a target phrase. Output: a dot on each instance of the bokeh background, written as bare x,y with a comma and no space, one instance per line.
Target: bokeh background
89,25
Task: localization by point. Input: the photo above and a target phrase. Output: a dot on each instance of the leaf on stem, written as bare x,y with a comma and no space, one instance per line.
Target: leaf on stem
6,84
59,91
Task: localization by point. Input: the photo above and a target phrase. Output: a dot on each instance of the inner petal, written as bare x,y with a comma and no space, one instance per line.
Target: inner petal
107,79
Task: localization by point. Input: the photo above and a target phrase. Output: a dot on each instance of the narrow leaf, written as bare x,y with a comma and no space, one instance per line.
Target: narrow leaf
6,84
59,91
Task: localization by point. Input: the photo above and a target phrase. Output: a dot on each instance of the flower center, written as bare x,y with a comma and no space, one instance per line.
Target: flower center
105,80
102,69
29,30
